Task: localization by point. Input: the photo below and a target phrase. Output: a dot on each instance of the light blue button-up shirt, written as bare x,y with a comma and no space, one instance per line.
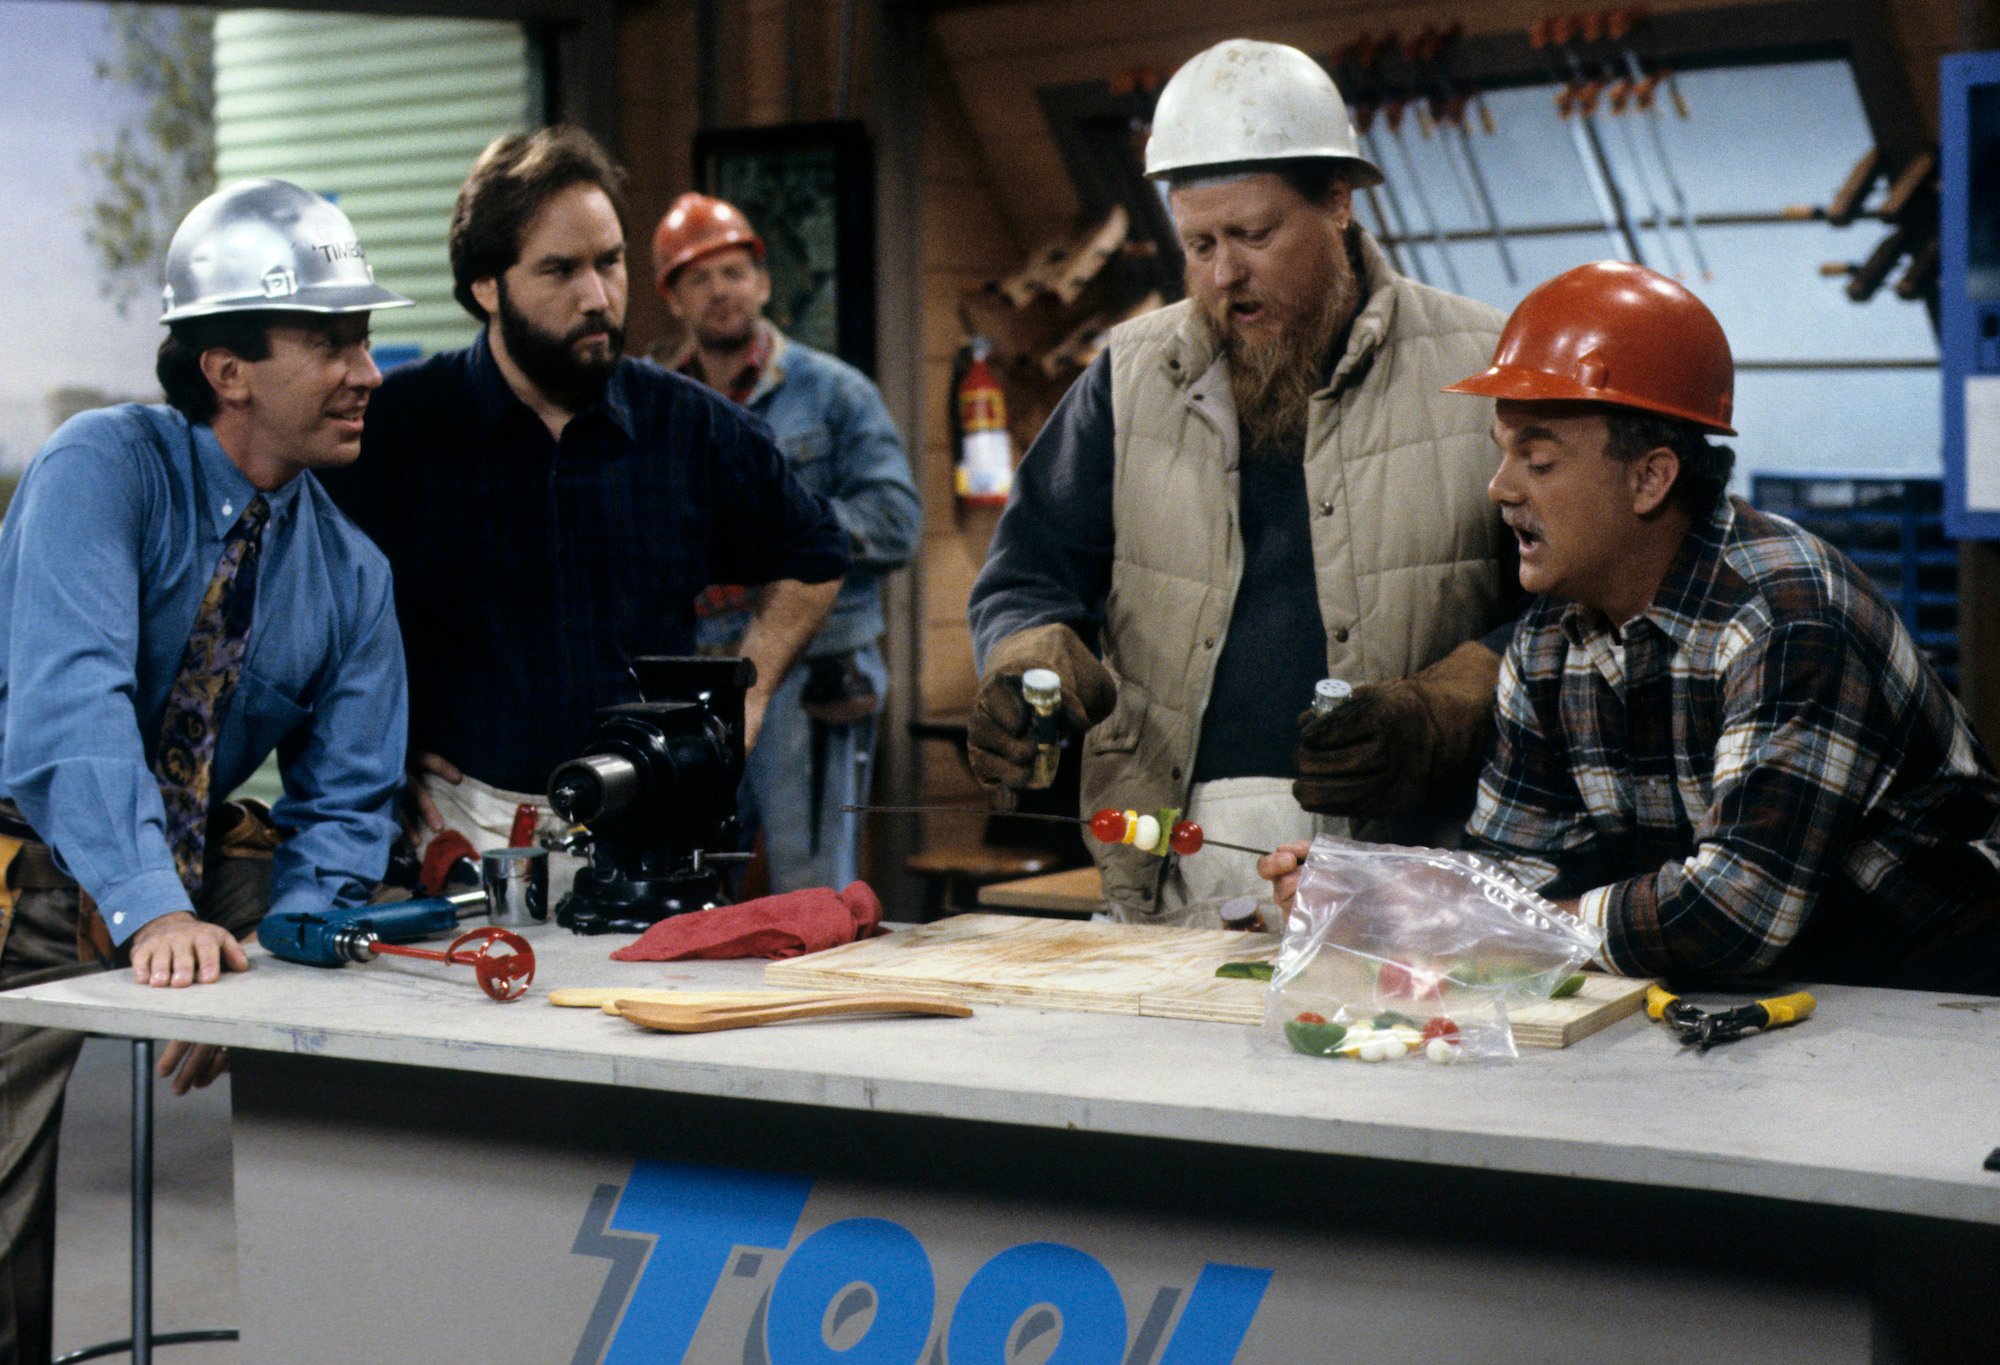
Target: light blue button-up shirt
110,543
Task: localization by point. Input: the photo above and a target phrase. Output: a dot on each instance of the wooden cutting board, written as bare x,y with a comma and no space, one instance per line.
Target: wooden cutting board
1126,969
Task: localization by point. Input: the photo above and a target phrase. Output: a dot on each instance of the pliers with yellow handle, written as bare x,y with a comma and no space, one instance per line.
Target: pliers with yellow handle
1695,1025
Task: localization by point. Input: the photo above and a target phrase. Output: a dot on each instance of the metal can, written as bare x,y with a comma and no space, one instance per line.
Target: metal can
516,881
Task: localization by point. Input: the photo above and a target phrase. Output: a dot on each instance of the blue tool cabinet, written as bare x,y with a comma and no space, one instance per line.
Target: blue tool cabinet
1892,526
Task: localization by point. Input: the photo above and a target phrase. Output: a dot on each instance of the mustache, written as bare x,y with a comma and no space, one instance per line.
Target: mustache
592,324
1523,525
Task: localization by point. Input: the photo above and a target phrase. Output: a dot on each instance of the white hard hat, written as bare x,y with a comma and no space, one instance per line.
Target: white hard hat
1243,100
262,244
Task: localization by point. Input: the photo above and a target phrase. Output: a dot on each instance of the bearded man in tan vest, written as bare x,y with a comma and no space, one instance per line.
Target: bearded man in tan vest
1247,492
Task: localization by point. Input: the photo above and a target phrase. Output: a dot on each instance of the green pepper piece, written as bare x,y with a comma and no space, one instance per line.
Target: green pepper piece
1315,1040
1247,971
1571,984
1390,1018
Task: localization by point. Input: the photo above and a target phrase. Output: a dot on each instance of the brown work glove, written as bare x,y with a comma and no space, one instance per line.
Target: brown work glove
1396,746
998,746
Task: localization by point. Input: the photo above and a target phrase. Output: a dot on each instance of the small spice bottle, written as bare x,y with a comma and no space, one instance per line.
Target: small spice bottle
1329,694
1041,688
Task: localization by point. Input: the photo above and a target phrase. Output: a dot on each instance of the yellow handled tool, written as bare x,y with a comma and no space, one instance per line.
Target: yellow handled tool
1700,1027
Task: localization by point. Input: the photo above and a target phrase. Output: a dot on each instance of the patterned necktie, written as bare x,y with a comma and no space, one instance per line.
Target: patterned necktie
208,675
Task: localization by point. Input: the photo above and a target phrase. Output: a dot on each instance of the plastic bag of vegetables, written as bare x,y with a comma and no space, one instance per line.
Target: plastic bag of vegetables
1393,952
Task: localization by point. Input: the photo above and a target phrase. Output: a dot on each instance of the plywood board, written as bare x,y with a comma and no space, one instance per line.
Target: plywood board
1126,969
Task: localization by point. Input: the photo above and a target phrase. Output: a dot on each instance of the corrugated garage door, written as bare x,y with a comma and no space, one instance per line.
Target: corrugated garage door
383,115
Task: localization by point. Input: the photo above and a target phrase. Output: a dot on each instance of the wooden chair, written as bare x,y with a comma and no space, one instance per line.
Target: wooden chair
953,874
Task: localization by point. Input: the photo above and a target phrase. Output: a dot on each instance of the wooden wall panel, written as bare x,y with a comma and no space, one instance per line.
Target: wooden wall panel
967,240
1925,31
656,131
766,79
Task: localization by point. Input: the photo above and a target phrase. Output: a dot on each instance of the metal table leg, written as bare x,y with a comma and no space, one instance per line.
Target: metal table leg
142,1201
142,1341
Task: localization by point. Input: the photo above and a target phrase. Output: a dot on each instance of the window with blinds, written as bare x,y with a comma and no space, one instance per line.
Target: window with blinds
384,116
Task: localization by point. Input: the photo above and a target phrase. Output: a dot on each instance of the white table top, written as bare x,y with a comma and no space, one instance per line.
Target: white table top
1883,1100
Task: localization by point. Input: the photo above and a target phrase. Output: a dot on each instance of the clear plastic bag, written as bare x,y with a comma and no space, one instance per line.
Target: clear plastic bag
1393,952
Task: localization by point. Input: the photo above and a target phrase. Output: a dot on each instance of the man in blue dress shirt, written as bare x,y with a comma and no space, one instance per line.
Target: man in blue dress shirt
552,508
178,599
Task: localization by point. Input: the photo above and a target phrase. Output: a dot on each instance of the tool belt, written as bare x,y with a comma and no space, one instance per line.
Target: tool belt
28,865
237,829
837,691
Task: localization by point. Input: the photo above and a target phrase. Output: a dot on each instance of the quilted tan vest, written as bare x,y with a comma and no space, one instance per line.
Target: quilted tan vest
1404,540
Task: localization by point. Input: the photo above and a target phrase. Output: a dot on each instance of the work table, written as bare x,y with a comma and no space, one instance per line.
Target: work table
1886,1101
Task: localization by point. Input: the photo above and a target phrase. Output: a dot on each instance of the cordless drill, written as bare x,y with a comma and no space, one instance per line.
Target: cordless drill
333,938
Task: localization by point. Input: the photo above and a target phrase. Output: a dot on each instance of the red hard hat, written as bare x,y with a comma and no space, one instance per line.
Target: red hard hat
1614,333
697,226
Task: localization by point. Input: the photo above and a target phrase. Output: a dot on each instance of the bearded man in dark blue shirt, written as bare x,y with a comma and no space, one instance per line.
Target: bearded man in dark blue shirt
552,509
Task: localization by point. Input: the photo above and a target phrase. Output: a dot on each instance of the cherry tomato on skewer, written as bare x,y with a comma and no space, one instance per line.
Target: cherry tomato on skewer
1108,826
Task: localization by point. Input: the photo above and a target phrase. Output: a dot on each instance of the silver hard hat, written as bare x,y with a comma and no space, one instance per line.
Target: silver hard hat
267,244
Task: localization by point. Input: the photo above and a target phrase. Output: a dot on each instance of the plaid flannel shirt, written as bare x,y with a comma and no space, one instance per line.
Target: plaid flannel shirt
1757,770
739,389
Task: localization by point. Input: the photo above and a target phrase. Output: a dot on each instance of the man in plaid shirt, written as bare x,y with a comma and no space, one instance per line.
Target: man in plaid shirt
1716,741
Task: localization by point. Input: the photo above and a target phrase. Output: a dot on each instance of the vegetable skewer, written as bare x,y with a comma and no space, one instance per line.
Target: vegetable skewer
1168,834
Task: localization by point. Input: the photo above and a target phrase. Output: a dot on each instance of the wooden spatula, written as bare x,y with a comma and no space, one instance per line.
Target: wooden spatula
670,1018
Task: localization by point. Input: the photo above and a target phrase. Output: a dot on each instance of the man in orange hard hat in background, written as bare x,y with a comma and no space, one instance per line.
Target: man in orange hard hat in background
1717,742
818,739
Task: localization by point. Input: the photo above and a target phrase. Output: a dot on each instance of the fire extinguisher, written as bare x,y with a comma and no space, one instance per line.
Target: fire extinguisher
985,451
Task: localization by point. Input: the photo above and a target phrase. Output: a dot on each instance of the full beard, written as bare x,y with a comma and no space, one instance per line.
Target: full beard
552,363
1274,378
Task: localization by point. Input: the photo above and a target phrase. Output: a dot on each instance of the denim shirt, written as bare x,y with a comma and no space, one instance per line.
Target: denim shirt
830,421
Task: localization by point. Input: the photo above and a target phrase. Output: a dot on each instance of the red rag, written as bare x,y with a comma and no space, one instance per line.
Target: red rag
780,926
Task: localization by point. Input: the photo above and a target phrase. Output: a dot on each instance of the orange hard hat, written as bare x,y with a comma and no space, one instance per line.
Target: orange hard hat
1614,333
696,226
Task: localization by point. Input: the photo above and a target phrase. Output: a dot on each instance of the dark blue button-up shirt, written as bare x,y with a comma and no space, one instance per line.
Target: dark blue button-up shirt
530,572
108,548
